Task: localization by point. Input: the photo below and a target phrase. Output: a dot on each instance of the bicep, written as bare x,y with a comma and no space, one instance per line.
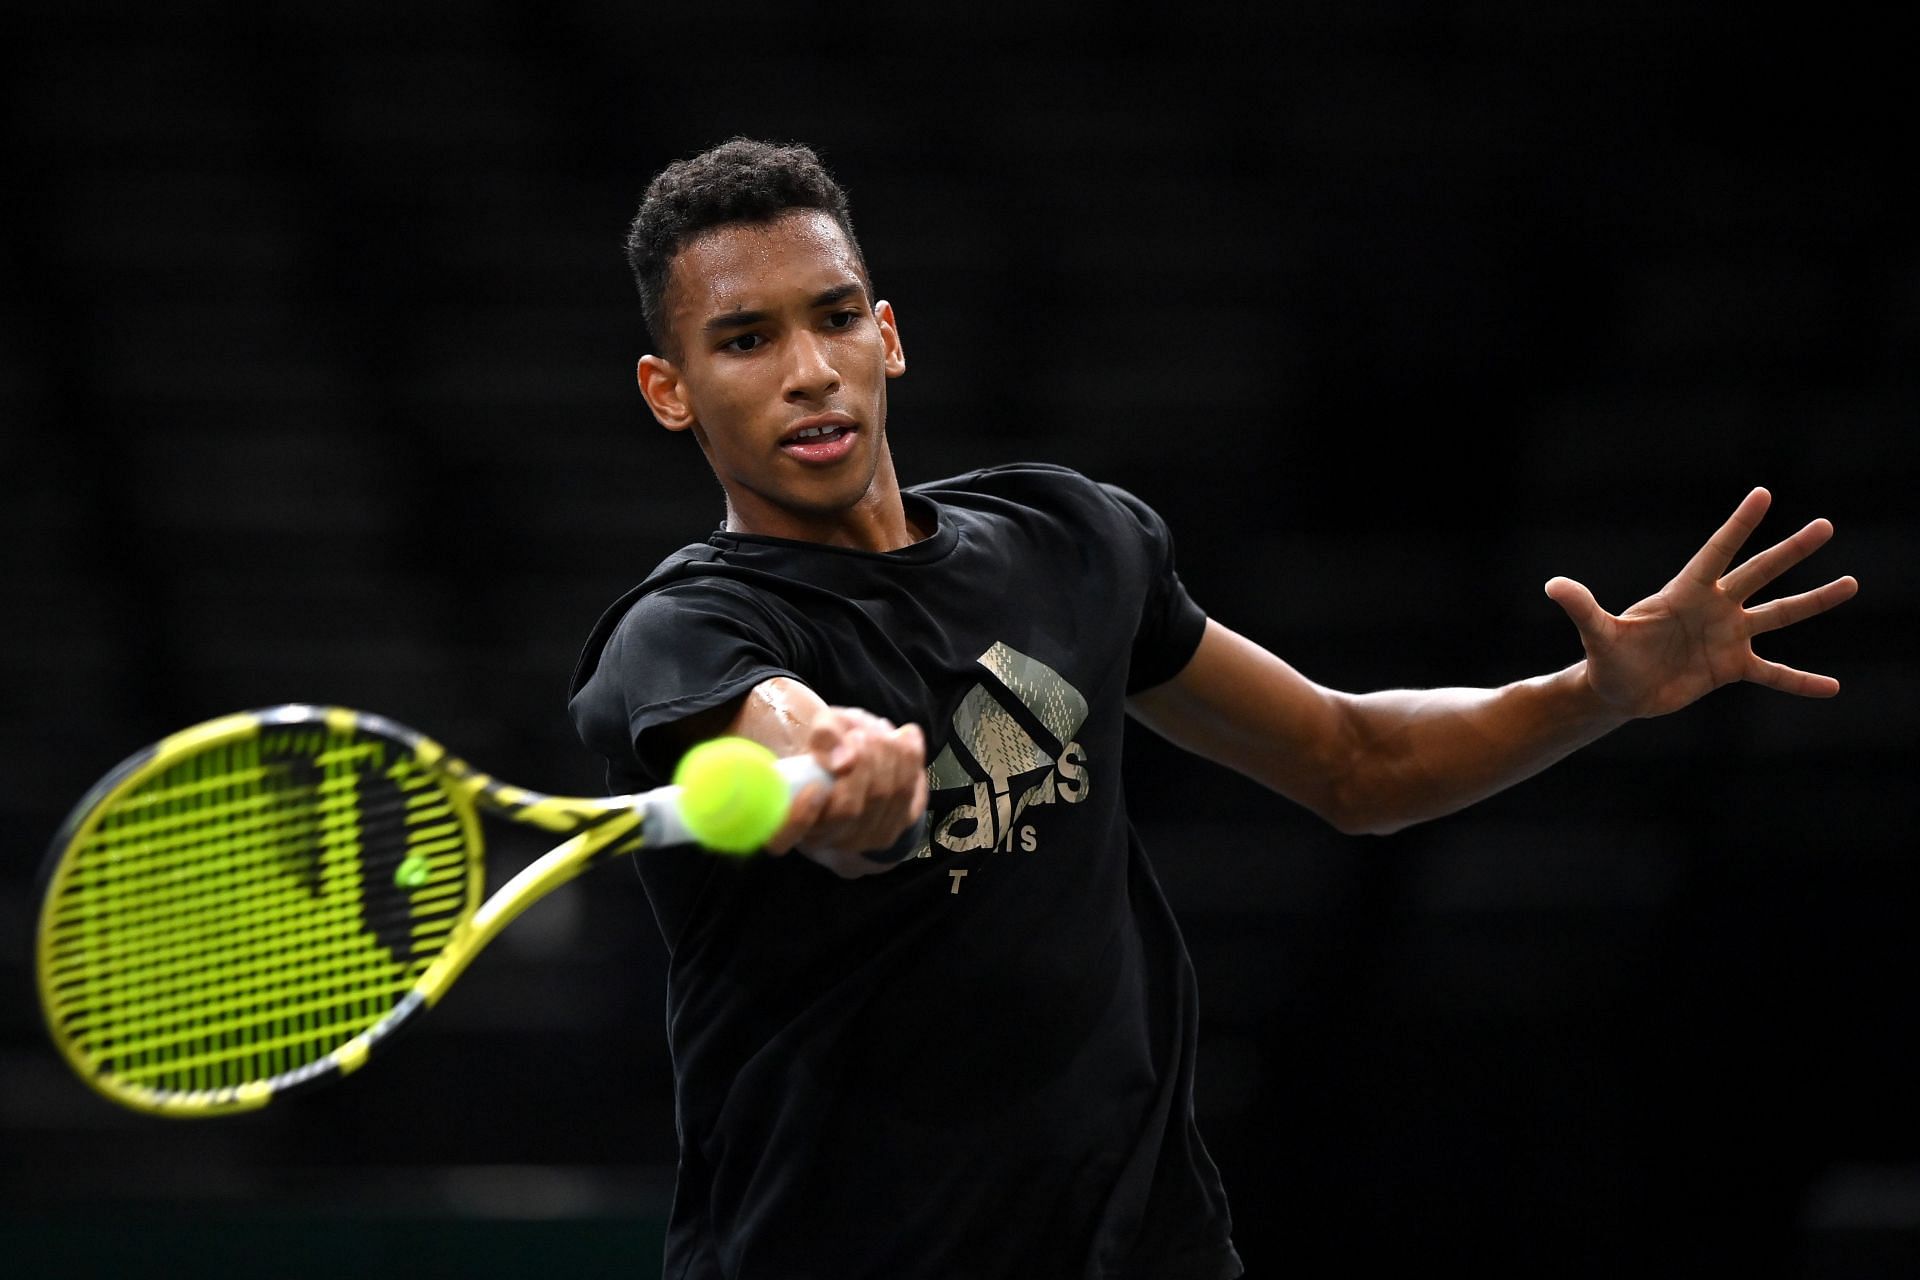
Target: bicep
1238,705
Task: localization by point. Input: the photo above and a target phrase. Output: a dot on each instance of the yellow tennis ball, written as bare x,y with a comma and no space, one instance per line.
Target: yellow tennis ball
731,797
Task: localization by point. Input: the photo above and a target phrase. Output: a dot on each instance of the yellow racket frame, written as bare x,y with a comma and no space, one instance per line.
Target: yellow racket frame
599,828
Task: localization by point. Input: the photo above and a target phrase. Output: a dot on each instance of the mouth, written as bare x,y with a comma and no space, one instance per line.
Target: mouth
821,439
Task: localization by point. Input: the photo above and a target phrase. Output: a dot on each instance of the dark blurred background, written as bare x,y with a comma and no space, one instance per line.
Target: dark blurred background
316,353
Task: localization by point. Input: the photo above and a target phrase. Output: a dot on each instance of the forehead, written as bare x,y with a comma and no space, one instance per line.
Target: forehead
750,266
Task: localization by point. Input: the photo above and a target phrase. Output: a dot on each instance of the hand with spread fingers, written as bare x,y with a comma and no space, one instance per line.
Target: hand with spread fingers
1696,633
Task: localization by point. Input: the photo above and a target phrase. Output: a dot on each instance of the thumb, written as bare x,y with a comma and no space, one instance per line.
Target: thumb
1577,602
804,811
834,739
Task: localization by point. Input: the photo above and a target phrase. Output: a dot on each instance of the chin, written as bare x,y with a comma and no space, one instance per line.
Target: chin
838,488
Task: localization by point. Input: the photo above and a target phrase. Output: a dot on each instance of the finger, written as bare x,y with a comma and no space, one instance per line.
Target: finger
916,740
1711,561
869,719
845,759
1804,684
902,762
1788,610
881,775
1764,567
907,780
1579,604
877,826
826,737
879,757
851,785
895,775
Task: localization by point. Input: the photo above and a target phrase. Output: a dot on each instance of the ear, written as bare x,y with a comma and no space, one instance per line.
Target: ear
660,383
890,338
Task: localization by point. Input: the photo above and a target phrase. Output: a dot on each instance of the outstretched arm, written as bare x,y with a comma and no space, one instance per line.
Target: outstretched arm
1377,762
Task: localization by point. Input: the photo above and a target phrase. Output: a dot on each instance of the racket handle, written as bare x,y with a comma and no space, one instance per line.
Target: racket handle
802,771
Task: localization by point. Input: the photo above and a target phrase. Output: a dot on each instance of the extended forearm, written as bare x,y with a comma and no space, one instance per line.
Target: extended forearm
1370,762
1417,754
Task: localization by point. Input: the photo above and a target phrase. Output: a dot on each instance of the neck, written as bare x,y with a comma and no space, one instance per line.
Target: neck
877,520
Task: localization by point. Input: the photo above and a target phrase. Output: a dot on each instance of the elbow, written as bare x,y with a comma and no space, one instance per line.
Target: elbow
1365,824
1358,793
1352,811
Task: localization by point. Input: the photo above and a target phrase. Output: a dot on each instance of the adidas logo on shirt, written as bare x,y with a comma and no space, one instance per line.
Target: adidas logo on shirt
1012,747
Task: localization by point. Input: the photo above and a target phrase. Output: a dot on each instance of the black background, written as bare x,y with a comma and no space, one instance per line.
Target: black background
316,354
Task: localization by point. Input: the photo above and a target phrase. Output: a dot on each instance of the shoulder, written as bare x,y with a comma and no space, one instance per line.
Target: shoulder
685,587
1042,488
1012,480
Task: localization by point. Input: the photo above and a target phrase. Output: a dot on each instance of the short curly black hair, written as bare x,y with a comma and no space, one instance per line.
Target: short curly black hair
741,180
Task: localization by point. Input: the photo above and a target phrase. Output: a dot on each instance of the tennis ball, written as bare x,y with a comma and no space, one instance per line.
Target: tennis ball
412,873
731,797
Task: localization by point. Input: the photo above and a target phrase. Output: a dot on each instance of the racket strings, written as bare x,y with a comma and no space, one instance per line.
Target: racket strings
174,1003
184,885
245,900
256,941
165,881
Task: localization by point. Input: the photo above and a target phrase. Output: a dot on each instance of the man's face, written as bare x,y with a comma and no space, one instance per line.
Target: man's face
782,369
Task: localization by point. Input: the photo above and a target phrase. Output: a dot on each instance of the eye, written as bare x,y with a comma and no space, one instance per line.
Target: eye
743,343
842,319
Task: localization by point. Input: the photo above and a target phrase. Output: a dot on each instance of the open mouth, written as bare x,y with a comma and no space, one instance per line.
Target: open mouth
826,438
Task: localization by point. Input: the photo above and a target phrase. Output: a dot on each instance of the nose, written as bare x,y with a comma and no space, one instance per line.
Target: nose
811,375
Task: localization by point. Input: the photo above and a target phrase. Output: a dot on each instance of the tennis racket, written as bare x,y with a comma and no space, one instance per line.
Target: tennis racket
252,906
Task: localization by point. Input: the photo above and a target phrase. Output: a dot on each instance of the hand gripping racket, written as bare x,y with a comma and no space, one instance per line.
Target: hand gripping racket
253,905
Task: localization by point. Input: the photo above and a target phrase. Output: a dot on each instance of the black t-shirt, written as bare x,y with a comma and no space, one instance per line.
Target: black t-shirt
979,1063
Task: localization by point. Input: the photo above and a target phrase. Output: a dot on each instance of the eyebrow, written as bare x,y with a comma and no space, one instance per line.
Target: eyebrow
737,319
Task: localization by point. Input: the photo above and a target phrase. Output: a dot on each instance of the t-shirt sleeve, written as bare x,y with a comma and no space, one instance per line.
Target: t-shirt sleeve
1170,622
677,652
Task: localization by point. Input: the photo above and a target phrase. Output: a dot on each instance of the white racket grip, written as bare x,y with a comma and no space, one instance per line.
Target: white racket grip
664,825
802,771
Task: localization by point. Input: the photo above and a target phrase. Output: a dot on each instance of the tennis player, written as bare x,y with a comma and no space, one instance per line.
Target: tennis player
964,1046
